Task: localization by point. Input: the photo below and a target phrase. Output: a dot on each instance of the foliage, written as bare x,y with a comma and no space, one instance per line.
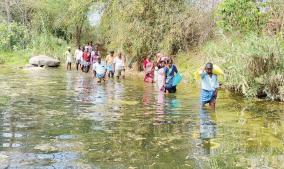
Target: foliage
241,15
254,64
49,45
142,26
13,36
276,17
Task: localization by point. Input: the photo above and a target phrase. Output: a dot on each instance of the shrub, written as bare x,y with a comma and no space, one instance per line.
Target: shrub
13,36
48,45
254,65
241,15
142,26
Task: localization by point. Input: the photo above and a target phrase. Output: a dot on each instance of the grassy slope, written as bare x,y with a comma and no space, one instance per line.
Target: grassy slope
17,58
188,63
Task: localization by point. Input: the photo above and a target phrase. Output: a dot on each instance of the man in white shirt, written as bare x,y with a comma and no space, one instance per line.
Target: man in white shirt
99,70
119,66
209,85
68,58
78,57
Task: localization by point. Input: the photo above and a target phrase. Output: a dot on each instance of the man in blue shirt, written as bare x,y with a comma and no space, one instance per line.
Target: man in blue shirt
99,70
209,85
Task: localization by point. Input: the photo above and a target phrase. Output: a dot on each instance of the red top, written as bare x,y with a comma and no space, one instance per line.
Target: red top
86,56
146,61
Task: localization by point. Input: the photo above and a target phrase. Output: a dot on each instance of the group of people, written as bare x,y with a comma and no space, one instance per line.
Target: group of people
89,58
162,72
165,74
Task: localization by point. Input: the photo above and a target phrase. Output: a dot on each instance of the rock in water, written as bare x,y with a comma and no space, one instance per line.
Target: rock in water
42,60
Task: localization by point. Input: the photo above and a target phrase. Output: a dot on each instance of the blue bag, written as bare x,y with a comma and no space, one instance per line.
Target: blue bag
177,79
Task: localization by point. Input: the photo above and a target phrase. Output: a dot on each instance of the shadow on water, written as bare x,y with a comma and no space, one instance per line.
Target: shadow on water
58,119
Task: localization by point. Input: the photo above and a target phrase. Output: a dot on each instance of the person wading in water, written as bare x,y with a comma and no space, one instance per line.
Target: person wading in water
209,85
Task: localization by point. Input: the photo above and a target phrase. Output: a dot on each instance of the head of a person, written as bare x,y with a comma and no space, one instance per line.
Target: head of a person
120,55
111,53
209,68
159,55
69,49
99,60
162,64
79,47
169,62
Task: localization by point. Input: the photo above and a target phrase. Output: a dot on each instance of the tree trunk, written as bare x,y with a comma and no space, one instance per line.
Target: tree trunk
78,36
8,12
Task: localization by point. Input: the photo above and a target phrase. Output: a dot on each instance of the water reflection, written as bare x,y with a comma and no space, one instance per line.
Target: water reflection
61,120
207,129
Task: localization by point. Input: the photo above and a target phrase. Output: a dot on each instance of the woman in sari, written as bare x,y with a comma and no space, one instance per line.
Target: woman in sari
149,70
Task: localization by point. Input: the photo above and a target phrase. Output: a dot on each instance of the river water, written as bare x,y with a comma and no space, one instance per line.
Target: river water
58,119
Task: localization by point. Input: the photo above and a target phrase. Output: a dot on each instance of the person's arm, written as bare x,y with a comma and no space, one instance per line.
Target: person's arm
217,85
105,70
202,72
176,70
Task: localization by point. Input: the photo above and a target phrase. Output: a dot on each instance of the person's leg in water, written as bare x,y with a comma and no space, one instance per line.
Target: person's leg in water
77,65
68,66
123,73
212,103
110,74
118,73
99,80
95,73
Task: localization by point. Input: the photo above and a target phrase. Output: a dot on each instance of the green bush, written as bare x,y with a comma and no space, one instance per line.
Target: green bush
14,36
254,65
241,15
47,44
142,26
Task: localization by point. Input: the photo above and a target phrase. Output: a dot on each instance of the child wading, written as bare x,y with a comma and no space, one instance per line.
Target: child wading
209,85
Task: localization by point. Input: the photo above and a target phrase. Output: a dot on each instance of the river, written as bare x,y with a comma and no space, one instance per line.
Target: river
51,118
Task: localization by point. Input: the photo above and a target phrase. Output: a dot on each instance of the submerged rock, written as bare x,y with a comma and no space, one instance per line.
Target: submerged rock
31,67
43,60
45,148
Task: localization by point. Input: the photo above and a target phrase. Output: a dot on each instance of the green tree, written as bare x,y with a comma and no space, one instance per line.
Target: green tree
142,26
241,15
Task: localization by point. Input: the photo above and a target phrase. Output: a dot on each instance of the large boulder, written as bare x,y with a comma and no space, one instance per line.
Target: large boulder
42,60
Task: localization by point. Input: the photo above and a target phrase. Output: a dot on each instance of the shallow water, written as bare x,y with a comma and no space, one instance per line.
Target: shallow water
58,119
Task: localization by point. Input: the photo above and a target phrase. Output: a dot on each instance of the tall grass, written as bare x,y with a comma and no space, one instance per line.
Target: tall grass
254,65
47,44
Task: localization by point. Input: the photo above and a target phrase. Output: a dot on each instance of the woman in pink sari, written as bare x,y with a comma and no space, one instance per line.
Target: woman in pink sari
149,70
